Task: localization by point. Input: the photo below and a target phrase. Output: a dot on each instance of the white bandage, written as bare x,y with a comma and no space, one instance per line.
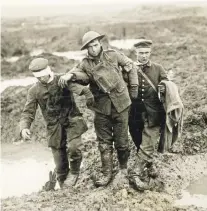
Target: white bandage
44,72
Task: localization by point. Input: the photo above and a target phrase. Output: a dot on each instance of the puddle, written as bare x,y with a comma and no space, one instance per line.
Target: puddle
123,44
198,200
196,194
76,55
17,82
12,59
36,52
24,168
199,186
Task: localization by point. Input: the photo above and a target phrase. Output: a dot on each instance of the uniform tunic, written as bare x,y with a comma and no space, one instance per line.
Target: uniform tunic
111,95
147,113
63,120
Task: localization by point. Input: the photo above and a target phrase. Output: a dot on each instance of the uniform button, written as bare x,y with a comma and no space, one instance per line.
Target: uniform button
142,84
142,80
142,94
142,99
143,90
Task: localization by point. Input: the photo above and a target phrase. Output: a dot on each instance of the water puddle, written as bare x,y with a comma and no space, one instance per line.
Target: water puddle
123,44
12,59
76,55
36,52
17,82
196,194
24,168
199,186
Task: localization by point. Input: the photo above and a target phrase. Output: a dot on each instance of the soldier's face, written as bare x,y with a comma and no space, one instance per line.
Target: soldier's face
94,48
44,79
143,55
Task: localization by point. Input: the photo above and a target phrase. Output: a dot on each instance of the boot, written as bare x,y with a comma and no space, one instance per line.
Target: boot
138,176
152,170
120,179
123,156
72,177
107,165
138,184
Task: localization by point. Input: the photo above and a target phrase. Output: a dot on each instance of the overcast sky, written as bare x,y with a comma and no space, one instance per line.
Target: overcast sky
88,2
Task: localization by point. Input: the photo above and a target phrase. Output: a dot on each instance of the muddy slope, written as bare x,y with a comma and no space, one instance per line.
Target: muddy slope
186,56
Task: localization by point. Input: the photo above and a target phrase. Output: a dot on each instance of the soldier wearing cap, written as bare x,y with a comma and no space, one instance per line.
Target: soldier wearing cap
64,121
109,99
147,113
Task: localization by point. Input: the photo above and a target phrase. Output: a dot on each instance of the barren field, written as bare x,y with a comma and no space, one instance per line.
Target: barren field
180,46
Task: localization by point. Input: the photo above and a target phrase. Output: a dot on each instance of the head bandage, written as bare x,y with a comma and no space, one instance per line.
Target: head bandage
44,72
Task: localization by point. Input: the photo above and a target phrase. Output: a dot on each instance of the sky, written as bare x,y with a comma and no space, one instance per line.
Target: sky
26,8
87,2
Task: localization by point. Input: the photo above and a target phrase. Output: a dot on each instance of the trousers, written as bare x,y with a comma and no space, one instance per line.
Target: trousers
63,156
111,129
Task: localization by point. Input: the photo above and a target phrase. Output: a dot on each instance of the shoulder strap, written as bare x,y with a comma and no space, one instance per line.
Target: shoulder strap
148,80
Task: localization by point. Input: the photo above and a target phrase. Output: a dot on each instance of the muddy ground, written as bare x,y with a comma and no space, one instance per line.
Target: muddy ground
186,163
180,47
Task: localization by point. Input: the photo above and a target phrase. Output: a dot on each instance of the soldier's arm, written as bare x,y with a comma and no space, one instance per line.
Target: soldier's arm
76,88
82,90
76,74
79,73
163,74
29,111
128,66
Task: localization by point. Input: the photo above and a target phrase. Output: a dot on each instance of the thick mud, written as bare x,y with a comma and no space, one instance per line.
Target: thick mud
180,47
177,169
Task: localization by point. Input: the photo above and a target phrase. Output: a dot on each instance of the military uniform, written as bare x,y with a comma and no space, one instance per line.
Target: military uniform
112,99
147,112
63,120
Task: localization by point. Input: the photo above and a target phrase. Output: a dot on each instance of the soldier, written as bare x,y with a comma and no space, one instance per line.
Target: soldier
147,114
109,99
64,121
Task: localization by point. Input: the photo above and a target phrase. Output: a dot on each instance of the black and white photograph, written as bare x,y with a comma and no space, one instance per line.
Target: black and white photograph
103,105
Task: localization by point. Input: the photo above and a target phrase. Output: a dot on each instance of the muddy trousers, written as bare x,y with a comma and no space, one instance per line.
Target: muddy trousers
144,158
113,129
150,137
65,157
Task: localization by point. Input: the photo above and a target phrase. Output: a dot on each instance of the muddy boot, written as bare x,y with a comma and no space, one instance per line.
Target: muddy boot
156,185
107,164
138,176
138,184
123,156
120,179
72,177
152,170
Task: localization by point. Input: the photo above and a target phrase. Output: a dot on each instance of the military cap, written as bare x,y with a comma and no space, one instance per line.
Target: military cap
143,43
38,64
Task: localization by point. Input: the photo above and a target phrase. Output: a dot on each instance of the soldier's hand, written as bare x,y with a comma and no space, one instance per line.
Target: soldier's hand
161,88
26,134
133,92
64,79
89,97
